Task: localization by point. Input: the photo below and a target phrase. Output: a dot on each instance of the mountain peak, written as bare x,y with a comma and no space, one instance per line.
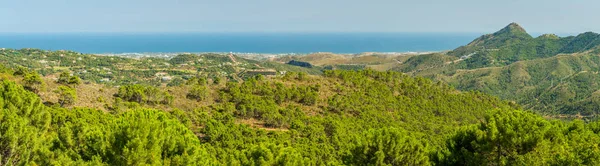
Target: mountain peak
512,28
513,33
515,25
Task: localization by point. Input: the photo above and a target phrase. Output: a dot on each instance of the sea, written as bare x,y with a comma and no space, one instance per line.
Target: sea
268,43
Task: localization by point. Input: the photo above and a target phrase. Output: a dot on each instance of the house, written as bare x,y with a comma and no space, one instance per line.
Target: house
160,74
166,78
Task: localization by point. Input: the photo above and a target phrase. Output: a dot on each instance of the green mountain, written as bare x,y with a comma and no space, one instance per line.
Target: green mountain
549,74
510,35
581,42
550,84
512,44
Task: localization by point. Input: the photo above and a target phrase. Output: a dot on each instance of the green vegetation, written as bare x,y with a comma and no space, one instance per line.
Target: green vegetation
67,95
144,94
330,61
33,82
390,146
114,70
425,62
521,138
198,92
513,44
296,120
67,79
213,109
345,67
548,74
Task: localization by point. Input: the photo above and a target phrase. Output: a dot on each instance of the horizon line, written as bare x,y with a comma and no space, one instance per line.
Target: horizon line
273,32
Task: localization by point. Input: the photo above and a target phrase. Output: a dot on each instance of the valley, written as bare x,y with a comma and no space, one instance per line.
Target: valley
548,74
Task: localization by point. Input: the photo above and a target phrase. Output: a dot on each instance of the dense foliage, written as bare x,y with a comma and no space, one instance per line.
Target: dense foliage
521,138
398,120
33,81
144,94
343,118
68,79
67,95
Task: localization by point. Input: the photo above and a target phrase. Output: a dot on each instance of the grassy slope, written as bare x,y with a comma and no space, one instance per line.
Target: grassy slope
549,74
379,62
547,84
392,98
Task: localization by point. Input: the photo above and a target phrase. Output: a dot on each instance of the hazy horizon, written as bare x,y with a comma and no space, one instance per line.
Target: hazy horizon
236,42
231,16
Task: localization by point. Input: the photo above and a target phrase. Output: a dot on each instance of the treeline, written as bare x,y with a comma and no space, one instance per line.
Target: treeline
34,134
343,118
144,94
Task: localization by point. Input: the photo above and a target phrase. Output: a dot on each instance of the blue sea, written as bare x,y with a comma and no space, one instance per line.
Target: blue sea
238,42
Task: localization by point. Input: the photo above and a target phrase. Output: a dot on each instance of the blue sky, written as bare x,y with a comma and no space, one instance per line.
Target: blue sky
539,16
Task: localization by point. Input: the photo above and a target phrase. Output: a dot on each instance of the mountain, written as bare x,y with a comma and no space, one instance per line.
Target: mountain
513,43
581,42
549,85
509,35
549,74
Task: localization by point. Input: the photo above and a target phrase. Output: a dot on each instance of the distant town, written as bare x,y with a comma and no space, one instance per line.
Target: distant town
254,56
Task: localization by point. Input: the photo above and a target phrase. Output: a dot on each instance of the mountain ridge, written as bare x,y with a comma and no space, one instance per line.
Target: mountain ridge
512,43
549,74
512,33
511,29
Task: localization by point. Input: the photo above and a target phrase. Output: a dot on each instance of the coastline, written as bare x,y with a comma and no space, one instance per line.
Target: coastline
256,56
247,43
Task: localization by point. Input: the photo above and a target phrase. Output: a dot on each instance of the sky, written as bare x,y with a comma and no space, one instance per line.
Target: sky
538,16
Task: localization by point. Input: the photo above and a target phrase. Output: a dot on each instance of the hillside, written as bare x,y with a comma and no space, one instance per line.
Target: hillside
549,74
513,43
376,61
114,70
294,119
512,34
549,84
